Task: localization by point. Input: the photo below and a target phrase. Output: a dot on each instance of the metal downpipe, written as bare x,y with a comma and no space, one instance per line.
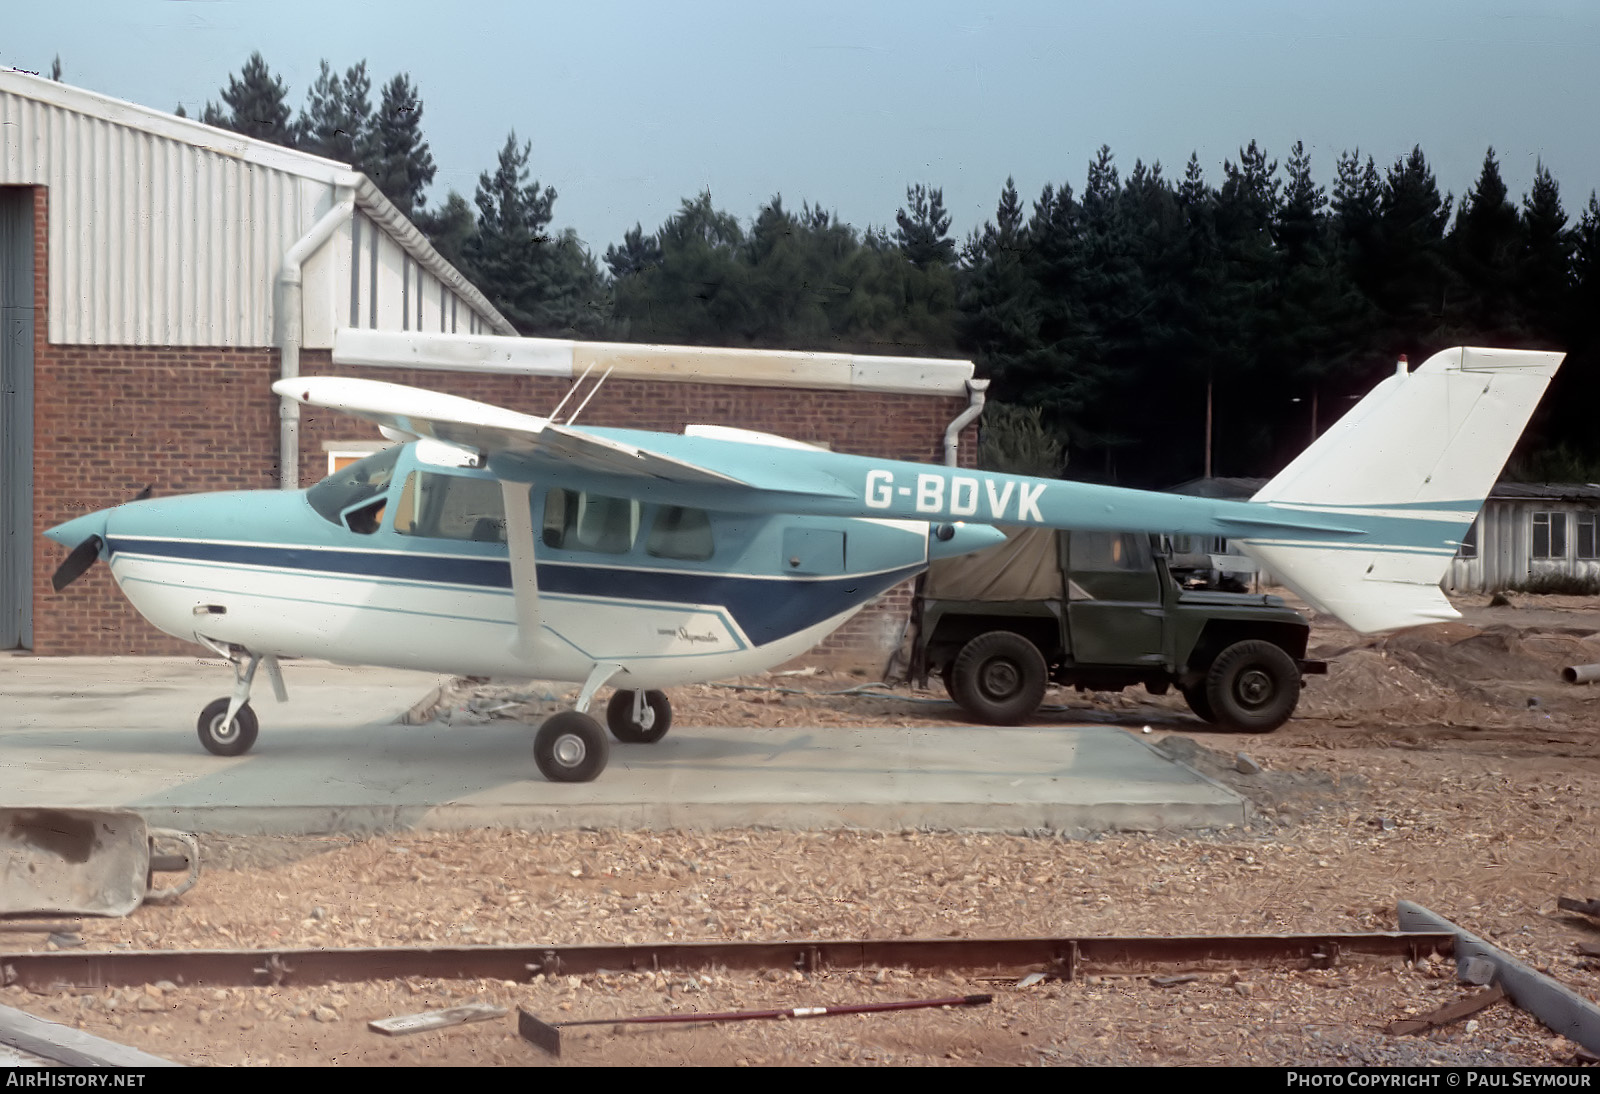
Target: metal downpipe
952,432
291,325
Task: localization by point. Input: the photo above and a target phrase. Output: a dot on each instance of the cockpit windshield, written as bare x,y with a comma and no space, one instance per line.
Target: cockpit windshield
353,483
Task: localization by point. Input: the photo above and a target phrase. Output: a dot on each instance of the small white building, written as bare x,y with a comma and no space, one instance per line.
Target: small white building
1528,535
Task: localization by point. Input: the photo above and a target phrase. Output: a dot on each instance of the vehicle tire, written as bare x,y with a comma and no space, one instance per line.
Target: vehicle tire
1196,698
952,685
1253,686
999,678
619,717
571,748
233,739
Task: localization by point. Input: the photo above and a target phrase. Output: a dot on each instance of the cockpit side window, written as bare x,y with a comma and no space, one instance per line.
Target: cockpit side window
442,506
352,484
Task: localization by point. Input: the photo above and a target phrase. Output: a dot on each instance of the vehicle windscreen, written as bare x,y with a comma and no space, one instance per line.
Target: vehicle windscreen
353,483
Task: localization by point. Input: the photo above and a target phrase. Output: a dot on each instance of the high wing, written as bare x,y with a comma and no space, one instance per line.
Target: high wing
406,412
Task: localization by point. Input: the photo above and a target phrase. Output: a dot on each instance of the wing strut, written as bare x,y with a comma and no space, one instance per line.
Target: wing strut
524,569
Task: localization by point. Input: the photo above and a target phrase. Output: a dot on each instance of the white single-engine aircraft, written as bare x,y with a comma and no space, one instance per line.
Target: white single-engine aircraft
495,543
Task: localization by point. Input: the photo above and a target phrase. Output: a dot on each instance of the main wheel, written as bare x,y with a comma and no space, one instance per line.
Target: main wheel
232,739
1253,686
570,748
657,717
999,677
1196,698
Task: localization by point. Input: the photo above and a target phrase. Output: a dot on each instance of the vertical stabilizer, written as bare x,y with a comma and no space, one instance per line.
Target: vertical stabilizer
1410,465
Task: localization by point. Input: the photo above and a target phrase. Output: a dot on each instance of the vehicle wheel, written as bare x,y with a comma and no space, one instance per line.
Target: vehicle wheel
999,678
1253,686
1196,698
952,684
657,715
233,739
570,748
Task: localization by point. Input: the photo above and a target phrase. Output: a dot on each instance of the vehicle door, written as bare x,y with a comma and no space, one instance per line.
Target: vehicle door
1114,608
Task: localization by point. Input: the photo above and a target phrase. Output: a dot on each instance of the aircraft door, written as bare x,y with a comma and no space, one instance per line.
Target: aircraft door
1114,607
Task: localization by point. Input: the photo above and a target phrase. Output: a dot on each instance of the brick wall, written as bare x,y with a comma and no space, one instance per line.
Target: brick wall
109,420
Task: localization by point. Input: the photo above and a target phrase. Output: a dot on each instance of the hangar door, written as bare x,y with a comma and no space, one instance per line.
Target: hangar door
16,417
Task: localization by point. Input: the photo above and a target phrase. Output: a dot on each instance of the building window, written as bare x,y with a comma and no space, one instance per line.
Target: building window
1586,537
1549,535
1469,542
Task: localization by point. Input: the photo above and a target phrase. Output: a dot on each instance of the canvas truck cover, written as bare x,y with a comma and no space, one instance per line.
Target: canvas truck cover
1026,567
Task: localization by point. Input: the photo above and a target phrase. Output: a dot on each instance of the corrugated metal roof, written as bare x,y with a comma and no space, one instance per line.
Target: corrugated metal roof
1546,491
167,231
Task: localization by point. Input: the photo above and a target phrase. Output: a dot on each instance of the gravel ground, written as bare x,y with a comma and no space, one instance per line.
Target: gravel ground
1442,765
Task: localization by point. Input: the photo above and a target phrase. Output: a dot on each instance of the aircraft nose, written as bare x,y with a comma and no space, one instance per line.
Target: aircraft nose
75,531
947,540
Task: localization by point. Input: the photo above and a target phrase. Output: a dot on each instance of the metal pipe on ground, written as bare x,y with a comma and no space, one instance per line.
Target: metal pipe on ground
1581,674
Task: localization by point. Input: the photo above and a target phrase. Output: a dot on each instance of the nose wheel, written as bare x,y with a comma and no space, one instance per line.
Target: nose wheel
228,727
224,737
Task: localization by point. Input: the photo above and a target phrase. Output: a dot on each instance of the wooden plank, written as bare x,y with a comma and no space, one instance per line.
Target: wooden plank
1450,1012
69,1047
1573,904
435,1019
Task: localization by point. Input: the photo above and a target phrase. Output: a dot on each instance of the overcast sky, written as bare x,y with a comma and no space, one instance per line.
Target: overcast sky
633,106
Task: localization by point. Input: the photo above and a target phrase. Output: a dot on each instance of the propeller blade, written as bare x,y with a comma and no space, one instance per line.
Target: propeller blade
82,557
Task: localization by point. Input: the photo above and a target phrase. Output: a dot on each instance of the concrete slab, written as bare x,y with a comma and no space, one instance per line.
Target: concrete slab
119,733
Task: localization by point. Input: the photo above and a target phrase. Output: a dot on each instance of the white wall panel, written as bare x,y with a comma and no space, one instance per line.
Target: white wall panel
166,232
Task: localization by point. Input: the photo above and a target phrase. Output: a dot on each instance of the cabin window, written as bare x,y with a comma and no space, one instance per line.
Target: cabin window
1586,537
577,521
1469,542
680,533
451,507
349,486
1549,535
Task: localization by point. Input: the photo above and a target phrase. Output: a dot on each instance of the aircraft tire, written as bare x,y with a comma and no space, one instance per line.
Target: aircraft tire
571,748
1253,686
233,740
999,678
619,718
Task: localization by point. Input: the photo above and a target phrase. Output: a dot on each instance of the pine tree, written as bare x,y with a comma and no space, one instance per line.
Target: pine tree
337,117
257,103
543,284
1486,246
395,156
923,231
450,229
1544,282
637,254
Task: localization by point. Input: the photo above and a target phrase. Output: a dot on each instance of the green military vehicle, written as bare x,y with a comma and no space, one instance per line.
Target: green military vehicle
1100,611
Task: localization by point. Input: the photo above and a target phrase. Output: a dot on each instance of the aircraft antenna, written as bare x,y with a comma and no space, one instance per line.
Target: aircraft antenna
570,390
589,396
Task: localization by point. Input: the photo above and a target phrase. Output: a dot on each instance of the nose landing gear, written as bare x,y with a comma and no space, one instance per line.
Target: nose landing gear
227,726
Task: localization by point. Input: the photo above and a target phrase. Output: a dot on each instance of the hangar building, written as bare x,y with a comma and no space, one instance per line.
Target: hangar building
158,274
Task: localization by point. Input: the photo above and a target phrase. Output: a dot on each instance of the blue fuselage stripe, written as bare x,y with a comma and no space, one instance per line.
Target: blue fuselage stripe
766,609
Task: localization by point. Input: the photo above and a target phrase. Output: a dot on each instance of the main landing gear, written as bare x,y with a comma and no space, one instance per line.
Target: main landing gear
571,747
228,726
